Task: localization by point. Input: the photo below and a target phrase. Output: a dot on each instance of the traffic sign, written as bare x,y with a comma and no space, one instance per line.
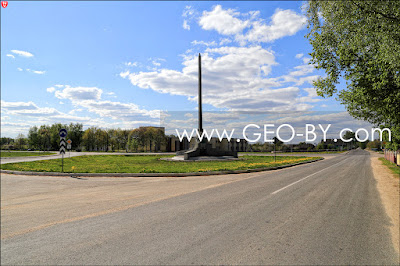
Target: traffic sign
69,141
62,143
68,146
62,150
62,133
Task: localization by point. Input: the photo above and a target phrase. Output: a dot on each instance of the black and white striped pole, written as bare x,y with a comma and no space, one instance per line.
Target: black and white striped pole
63,144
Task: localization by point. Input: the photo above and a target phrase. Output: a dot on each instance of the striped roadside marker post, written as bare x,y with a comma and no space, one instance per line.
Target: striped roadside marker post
63,144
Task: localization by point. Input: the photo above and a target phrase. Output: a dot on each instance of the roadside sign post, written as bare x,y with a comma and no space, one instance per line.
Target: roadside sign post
63,134
69,142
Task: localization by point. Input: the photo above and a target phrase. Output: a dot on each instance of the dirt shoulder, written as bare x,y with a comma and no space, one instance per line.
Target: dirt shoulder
389,189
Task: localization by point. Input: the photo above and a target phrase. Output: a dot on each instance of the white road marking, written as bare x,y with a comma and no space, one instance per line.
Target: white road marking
304,178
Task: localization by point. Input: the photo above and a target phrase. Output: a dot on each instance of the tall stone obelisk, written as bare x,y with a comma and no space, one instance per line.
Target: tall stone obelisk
199,100
204,148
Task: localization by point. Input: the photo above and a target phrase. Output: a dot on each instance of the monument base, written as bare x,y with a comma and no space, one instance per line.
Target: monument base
205,149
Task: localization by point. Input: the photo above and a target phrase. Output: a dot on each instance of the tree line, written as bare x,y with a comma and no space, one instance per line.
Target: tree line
46,138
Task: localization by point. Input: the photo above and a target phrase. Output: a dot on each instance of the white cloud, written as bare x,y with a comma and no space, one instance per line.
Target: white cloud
300,75
311,92
22,53
224,41
248,27
15,106
26,114
283,23
188,15
308,79
189,115
51,89
298,56
124,74
233,78
20,69
117,110
38,72
155,62
188,12
224,21
312,96
185,25
213,43
9,129
35,71
10,55
302,70
73,112
90,99
131,64
79,93
26,109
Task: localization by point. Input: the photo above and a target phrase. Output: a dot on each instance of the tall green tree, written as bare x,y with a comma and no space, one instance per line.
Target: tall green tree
89,139
6,142
122,137
44,137
20,141
359,41
75,133
159,138
133,143
33,137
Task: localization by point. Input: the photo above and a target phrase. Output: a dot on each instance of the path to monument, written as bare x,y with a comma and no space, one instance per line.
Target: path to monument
328,212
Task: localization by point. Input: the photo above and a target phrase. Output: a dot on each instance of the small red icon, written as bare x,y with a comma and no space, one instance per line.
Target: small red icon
4,4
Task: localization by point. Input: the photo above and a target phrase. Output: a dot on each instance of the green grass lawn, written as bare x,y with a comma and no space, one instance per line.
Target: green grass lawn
395,169
23,153
147,164
304,152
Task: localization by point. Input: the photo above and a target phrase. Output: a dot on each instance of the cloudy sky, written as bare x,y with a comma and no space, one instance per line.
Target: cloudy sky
118,64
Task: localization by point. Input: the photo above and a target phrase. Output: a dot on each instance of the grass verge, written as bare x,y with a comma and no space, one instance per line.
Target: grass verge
394,168
288,153
148,164
23,153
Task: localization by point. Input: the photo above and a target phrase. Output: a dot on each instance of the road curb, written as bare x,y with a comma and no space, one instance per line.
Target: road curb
154,174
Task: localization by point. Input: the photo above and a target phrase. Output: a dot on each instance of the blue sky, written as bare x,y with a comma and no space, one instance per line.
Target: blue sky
117,64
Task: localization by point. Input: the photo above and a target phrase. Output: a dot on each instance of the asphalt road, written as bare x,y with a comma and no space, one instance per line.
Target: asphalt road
328,212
